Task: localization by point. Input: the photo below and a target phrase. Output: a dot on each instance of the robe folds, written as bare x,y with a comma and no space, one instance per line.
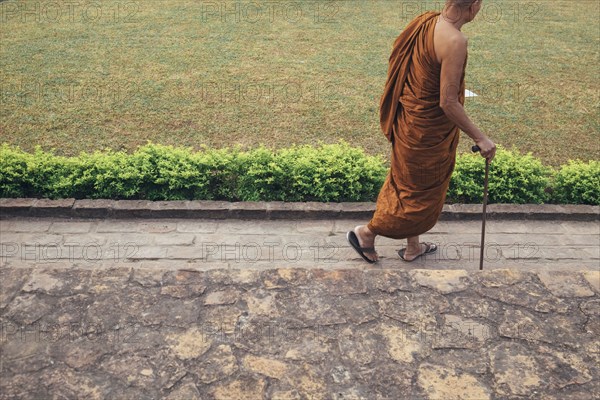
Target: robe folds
424,140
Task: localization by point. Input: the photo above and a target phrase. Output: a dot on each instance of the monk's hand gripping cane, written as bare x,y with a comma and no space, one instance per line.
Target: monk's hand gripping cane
475,149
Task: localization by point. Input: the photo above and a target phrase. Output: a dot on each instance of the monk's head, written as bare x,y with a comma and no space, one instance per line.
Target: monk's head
464,10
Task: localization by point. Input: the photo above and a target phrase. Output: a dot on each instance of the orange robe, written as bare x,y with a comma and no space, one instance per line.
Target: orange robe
423,139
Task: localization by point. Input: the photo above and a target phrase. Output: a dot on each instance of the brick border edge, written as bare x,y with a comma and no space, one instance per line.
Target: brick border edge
72,208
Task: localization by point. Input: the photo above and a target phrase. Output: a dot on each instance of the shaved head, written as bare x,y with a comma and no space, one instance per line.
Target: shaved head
457,10
461,3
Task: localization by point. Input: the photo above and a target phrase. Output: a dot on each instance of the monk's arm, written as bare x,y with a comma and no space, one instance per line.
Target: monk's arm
453,58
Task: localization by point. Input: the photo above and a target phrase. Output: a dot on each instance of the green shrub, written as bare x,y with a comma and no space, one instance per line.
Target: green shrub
108,175
513,178
14,172
40,174
223,169
334,172
156,172
578,183
168,173
51,176
258,175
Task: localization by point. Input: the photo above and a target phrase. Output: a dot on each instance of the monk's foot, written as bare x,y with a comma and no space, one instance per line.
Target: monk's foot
412,252
366,239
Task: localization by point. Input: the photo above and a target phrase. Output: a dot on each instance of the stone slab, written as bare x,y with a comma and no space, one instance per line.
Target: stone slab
276,210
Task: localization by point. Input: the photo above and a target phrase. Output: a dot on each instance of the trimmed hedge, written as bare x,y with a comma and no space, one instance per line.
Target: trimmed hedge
513,179
578,182
333,173
155,172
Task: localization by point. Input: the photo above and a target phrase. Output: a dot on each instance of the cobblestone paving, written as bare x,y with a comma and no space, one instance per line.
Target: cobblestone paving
185,310
299,334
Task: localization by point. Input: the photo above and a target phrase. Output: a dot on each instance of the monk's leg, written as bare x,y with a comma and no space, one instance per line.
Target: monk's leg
366,238
414,248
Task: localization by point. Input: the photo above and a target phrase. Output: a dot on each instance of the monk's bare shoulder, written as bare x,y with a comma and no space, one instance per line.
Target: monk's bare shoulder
450,44
452,58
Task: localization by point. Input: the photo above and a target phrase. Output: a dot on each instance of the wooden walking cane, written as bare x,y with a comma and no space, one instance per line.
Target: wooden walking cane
475,149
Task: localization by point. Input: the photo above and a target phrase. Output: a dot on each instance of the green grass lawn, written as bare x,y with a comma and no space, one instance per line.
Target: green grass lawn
80,78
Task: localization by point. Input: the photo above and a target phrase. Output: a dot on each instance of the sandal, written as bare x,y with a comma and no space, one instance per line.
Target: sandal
430,248
353,240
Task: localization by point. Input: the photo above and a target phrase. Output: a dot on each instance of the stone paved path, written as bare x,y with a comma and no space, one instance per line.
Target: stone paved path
206,244
153,309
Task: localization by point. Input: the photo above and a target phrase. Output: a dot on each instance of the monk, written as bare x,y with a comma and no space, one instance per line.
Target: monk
421,112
